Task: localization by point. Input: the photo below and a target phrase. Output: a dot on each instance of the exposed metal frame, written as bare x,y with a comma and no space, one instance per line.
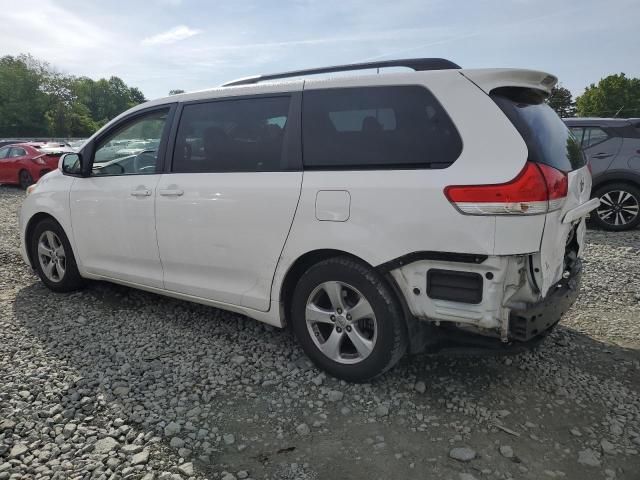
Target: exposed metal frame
417,64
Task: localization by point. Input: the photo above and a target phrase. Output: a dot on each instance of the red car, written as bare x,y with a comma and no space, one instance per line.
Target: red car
24,163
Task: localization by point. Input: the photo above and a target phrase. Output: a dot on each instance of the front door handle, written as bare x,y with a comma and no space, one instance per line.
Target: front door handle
601,155
141,192
171,192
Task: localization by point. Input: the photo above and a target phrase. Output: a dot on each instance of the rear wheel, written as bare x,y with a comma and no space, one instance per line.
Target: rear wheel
52,257
25,179
619,207
347,320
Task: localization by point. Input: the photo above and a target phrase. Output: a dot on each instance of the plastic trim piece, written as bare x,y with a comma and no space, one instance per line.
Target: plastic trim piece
427,255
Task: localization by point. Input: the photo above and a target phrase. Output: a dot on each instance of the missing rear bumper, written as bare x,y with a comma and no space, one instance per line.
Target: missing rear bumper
535,319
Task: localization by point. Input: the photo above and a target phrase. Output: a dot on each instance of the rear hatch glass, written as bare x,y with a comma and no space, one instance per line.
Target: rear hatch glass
548,139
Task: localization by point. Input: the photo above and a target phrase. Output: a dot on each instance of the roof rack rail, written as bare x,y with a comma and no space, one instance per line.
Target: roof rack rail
417,64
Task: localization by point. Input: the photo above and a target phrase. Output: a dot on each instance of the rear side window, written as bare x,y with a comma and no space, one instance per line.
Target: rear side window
377,127
243,135
547,137
17,152
593,136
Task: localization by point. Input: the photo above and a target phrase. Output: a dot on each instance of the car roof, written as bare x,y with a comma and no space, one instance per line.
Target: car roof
601,122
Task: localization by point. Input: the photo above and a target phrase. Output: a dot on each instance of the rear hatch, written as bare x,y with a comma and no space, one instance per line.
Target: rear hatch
50,156
554,151
550,143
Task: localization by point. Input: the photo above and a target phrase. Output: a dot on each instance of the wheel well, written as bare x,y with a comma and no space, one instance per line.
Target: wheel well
611,181
303,263
33,221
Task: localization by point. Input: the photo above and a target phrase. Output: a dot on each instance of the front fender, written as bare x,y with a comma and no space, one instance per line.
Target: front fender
49,198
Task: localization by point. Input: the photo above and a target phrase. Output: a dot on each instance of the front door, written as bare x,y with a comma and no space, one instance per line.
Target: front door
113,210
225,210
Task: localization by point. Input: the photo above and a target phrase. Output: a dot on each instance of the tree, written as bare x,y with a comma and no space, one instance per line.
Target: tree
562,102
615,95
177,91
36,100
22,101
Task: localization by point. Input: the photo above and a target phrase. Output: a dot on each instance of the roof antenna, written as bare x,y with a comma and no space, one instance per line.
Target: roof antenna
619,110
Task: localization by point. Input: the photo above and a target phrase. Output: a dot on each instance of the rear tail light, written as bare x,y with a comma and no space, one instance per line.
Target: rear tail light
537,189
39,160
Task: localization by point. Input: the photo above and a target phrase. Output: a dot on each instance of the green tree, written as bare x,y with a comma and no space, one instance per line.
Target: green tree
22,101
36,100
615,95
562,102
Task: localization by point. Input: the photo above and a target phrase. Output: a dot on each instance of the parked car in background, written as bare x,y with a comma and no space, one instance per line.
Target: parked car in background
612,146
4,142
24,163
374,214
134,148
76,144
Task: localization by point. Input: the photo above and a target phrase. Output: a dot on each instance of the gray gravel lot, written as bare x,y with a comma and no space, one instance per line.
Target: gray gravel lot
115,383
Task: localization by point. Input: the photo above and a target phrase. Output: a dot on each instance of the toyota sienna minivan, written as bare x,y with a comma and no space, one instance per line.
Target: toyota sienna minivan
374,214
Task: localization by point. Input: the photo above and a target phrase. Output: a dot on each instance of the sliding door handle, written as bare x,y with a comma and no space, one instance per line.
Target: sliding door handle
171,192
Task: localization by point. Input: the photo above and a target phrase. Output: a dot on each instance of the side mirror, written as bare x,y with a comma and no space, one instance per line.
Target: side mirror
71,164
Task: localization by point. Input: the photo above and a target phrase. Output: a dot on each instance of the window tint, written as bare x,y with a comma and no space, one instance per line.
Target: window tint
17,152
133,148
592,136
577,132
548,139
244,135
4,152
374,127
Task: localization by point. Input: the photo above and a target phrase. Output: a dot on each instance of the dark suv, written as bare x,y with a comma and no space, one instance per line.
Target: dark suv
612,146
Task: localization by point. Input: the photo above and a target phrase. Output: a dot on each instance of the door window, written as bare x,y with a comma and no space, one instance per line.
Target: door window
578,132
4,152
377,127
132,149
593,136
17,152
244,135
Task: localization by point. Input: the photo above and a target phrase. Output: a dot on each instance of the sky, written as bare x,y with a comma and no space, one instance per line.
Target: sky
159,45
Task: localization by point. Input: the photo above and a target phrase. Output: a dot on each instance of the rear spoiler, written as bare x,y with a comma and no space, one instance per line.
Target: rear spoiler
491,78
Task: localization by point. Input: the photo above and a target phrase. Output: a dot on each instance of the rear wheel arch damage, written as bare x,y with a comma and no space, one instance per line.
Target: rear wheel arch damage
359,314
306,261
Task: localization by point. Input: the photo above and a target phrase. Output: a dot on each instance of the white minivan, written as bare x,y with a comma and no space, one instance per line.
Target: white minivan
374,214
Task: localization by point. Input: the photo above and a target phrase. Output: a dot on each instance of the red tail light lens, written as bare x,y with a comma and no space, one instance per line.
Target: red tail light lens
39,160
537,189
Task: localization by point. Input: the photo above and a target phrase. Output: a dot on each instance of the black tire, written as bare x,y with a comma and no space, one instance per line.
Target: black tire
391,340
71,280
25,179
610,192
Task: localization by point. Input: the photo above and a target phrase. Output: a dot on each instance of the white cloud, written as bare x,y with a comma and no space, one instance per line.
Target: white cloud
175,34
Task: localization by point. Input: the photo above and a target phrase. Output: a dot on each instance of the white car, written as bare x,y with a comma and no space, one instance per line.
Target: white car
373,214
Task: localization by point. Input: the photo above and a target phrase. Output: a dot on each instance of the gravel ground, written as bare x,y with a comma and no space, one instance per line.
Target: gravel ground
116,383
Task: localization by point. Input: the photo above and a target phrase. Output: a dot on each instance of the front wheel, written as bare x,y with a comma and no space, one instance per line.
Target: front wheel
52,257
348,320
619,207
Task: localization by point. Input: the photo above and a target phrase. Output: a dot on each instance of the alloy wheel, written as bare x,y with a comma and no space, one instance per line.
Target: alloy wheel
341,322
51,256
618,207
